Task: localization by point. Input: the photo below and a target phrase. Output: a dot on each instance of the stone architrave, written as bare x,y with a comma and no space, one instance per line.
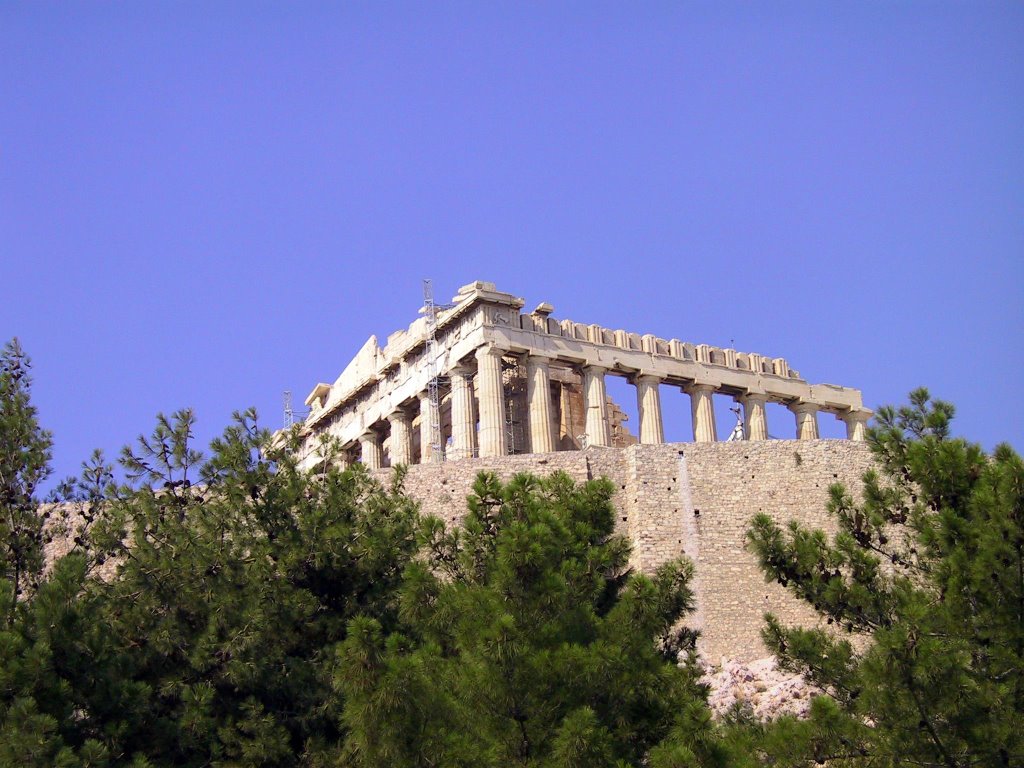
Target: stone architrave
702,411
463,420
648,402
370,451
595,400
856,423
806,420
755,420
490,392
538,396
401,437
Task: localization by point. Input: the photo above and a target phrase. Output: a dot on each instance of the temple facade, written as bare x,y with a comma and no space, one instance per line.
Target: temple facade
481,378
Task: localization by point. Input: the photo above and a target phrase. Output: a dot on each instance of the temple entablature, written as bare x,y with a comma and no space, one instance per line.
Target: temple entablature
481,377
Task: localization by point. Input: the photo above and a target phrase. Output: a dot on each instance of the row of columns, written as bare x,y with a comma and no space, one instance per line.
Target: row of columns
490,392
490,402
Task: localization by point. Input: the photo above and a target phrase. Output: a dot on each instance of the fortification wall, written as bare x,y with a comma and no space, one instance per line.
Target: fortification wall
693,499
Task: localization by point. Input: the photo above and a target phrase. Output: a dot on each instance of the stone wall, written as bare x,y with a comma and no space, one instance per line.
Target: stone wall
693,499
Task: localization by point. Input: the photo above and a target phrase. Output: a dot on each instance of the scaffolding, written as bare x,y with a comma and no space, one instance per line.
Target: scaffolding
514,376
291,416
289,412
430,310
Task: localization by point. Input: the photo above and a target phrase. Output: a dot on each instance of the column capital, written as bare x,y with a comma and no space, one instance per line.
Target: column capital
697,387
399,414
462,369
806,419
595,368
856,423
646,377
490,350
537,358
803,406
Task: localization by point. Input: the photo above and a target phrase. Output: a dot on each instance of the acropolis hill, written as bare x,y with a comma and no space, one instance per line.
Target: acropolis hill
480,385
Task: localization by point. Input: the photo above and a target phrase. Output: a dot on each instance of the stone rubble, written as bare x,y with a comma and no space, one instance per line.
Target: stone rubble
761,686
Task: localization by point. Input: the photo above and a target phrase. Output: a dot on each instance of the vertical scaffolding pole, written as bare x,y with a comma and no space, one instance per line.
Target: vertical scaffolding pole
433,389
289,412
513,377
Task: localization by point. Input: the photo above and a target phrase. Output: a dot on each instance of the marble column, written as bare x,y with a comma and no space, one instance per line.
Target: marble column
856,423
755,422
401,438
369,450
426,429
490,392
648,403
463,420
538,398
702,410
595,400
806,420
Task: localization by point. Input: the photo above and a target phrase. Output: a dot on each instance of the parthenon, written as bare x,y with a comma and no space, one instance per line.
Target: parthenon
481,378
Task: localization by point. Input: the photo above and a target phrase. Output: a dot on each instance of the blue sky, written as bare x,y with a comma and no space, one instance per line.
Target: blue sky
205,204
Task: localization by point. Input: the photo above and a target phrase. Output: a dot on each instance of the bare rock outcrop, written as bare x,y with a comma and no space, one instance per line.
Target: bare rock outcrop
759,686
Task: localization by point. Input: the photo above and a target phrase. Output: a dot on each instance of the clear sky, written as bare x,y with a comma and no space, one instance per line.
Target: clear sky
205,204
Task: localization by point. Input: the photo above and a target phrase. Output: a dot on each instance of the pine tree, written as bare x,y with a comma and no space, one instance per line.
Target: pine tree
43,627
226,583
236,577
527,641
25,452
923,589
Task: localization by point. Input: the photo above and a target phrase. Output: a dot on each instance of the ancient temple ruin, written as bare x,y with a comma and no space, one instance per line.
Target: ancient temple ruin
481,378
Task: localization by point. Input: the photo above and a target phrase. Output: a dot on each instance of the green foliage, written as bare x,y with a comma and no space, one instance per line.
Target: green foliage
225,585
25,451
238,611
35,695
923,586
525,641
231,591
